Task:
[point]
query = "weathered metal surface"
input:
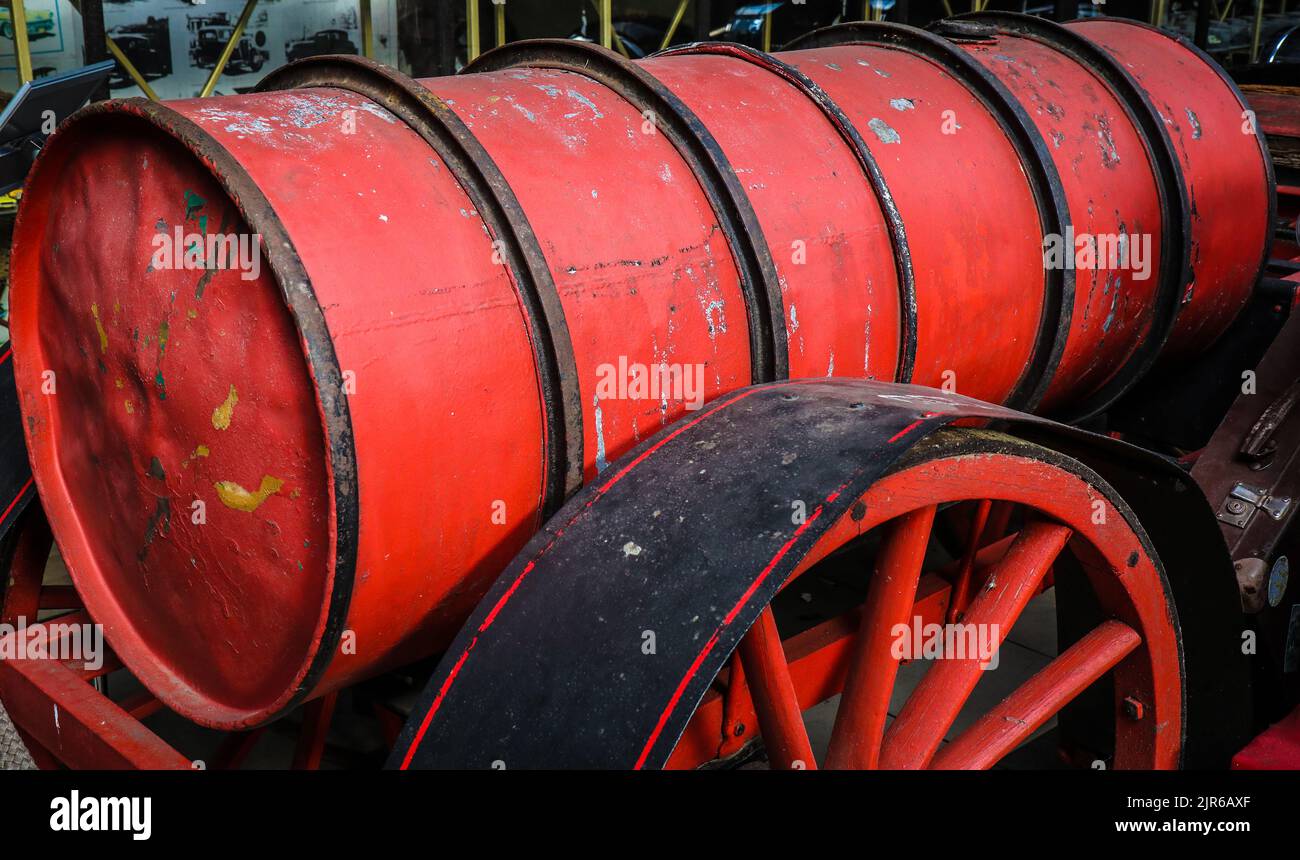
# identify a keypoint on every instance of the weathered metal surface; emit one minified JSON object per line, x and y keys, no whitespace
{"x":86,"y":729}
{"x":807,"y":202}
{"x":1224,"y":161}
{"x":916,"y":114}
{"x":966,"y":117}
{"x":268,"y":486}
{"x":1257,"y":448}
{"x":553,"y":669}
{"x":1086,"y":108}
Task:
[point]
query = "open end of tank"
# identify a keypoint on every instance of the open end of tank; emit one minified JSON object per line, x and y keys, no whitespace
{"x":172,"y":420}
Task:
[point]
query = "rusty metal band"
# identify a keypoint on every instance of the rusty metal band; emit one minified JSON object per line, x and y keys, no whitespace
{"x":482,"y":181}
{"x":1175,"y":208}
{"x":318,"y":347}
{"x":1266,"y":160}
{"x":893,"y":220}
{"x":765,"y":311}
{"x":1044,"y":180}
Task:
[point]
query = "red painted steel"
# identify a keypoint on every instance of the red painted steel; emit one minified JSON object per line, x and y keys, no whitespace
{"x":957,"y":182}
{"x":823,"y":227}
{"x":85,"y":729}
{"x":1111,"y":191}
{"x":1277,"y":748}
{"x":268,"y":486}
{"x":1225,"y":167}
{"x":665,"y":264}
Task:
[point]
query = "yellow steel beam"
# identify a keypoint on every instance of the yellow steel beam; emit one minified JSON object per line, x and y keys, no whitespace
{"x":676,"y":22}
{"x":367,"y":31}
{"x":1259,"y":23}
{"x":127,"y":66}
{"x":767,"y":32}
{"x":220,"y":67}
{"x":471,"y":31}
{"x":607,"y":23}
{"x":500,"y":10}
{"x":131,"y":71}
{"x":22,"y":49}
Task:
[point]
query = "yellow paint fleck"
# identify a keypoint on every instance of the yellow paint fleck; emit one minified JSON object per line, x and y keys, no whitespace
{"x":200,"y":451}
{"x":118,"y":382}
{"x":297,"y":491}
{"x":99,"y":327}
{"x":192,"y":314}
{"x":222,"y":414}
{"x":232,"y":495}
{"x":130,"y":410}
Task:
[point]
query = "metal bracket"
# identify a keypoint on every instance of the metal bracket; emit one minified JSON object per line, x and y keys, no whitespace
{"x":1243,"y":500}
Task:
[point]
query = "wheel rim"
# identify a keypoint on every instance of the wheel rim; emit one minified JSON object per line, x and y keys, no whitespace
{"x":1063,"y":511}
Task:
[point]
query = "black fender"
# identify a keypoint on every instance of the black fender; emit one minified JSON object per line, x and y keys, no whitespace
{"x":690,"y":535}
{"x":16,"y":486}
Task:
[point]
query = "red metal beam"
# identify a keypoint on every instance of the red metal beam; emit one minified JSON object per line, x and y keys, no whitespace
{"x":76,"y":724}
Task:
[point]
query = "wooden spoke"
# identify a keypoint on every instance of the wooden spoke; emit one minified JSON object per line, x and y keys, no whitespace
{"x":864,"y":707}
{"x":961,"y":590}
{"x":1033,"y":703}
{"x":998,"y":522}
{"x":779,"y":718}
{"x":918,"y":730}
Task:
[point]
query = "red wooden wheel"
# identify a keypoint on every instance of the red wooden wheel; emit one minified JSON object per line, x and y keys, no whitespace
{"x":1065,"y":516}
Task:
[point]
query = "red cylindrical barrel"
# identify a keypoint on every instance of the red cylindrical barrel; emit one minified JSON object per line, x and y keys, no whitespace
{"x":1211,"y":128}
{"x":302,"y":369}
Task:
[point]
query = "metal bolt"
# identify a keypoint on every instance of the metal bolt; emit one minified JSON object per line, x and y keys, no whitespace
{"x":740,"y":729}
{"x":1236,"y":507}
{"x":1133,"y":709}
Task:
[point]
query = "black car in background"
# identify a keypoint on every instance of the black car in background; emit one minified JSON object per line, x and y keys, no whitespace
{"x":320,"y":42}
{"x":147,"y":46}
{"x":209,"y":42}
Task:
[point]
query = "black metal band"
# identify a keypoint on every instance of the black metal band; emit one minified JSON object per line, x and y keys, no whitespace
{"x":768,"y":341}
{"x":846,"y":129}
{"x":1175,"y":209}
{"x":476,"y":173}
{"x":1036,"y":160}
{"x":322,"y":362}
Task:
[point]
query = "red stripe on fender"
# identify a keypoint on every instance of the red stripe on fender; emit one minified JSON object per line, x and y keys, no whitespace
{"x":713,"y":640}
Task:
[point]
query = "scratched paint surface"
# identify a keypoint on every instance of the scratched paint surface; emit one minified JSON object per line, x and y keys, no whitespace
{"x":828,"y":237}
{"x":1110,"y":189}
{"x":412,"y":289}
{"x":972,"y":225}
{"x":1222,"y":168}
{"x":642,"y":268}
{"x":140,"y":363}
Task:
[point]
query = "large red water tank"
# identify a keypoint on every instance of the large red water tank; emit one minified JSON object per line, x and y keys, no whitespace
{"x":302,"y":369}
